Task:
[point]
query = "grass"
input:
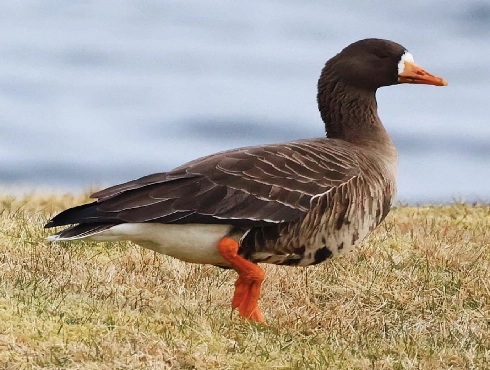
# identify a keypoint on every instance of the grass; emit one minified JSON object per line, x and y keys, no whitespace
{"x":415,"y":296}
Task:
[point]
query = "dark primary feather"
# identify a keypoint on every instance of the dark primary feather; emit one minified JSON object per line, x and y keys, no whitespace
{"x":251,"y":186}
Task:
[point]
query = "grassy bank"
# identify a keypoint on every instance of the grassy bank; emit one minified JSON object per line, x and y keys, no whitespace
{"x":415,"y":296}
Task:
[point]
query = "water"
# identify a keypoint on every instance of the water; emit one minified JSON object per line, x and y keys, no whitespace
{"x":97,"y":93}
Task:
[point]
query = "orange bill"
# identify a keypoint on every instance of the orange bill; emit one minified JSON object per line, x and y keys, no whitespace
{"x":413,"y":74}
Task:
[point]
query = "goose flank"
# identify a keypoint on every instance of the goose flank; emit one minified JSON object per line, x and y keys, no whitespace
{"x":297,"y":203}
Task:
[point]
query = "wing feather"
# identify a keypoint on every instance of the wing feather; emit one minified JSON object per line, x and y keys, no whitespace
{"x":252,"y":186}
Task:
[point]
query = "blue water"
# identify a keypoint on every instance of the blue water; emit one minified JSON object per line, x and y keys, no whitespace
{"x":97,"y":93}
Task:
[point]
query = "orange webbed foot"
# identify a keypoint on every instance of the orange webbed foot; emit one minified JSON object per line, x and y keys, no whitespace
{"x":247,"y":286}
{"x":247,"y":295}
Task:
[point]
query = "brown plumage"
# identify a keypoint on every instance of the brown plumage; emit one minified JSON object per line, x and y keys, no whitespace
{"x":295,"y":203}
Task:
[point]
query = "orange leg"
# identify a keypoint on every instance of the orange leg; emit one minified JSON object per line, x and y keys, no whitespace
{"x":247,"y":287}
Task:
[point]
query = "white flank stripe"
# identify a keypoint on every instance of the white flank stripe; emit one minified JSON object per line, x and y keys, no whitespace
{"x":196,"y":243}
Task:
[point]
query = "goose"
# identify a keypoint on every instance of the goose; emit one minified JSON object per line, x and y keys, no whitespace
{"x":297,"y":203}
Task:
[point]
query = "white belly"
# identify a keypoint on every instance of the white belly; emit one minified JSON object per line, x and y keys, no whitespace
{"x":191,"y":242}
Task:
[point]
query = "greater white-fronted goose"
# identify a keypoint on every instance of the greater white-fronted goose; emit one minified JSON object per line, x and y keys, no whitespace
{"x":296,"y":203}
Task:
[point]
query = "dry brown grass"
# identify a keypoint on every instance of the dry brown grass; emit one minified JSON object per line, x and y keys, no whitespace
{"x":415,"y":296}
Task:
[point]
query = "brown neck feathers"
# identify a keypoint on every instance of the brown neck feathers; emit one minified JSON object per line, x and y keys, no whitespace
{"x":349,"y":113}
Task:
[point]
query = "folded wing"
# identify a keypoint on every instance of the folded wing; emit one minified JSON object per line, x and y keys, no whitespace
{"x":249,"y":187}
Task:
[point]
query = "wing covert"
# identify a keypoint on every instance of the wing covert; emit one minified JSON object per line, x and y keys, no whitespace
{"x":253,"y":185}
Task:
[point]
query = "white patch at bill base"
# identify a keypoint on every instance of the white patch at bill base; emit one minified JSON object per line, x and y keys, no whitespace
{"x":406,"y":57}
